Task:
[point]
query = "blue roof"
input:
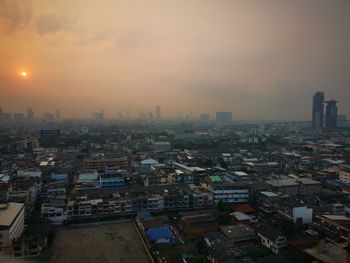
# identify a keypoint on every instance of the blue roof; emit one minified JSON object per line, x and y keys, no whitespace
{"x":158,"y":233}
{"x":59,"y":177}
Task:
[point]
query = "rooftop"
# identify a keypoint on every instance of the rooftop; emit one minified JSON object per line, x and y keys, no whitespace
{"x":8,"y":214}
{"x":291,"y":182}
{"x":237,"y":231}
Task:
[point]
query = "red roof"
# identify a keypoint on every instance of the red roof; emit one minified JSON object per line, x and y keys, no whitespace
{"x":245,"y":208}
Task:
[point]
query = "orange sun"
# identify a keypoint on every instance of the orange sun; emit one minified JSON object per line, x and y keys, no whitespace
{"x":23,"y":74}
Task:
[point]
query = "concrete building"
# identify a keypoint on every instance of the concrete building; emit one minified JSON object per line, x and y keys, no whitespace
{"x":227,"y":191}
{"x":101,"y":164}
{"x":11,"y":225}
{"x":87,"y":179}
{"x":317,"y":110}
{"x":331,"y":114}
{"x":204,"y":117}
{"x":111,"y":178}
{"x":272,"y":238}
{"x":224,"y":117}
{"x":238,"y":233}
{"x":54,"y":196}
{"x":158,"y":113}
{"x":300,"y":186}
{"x":195,"y":225}
{"x":30,"y":114}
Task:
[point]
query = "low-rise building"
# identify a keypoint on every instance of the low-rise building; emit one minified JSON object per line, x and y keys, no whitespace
{"x":271,"y":238}
{"x":227,"y":190}
{"x":299,"y":186}
{"x":194,"y":225}
{"x":238,"y":233}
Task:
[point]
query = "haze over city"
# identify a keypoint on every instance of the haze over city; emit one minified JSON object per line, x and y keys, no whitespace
{"x":262,"y":60}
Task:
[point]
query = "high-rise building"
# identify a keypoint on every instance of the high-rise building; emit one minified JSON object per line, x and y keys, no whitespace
{"x":317,"y":110}
{"x":204,"y":117}
{"x":224,"y":117}
{"x":331,"y":114}
{"x":341,"y":120}
{"x":57,"y":115}
{"x":98,"y":116}
{"x":48,"y":116}
{"x":18,"y":117}
{"x":158,"y":112}
{"x":30,"y":114}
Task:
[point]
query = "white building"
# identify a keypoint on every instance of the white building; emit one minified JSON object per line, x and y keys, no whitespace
{"x":54,"y":212}
{"x":227,"y":191}
{"x":11,"y":225}
{"x":272,"y":238}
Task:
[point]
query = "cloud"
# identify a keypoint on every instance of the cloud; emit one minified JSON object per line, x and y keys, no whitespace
{"x":15,"y":15}
{"x":50,"y":23}
{"x":137,"y":38}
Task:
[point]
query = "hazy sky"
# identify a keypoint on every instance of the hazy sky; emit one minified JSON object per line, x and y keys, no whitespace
{"x":258,"y":59}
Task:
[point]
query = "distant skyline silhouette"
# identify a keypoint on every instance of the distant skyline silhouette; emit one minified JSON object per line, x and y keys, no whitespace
{"x":261,"y":60}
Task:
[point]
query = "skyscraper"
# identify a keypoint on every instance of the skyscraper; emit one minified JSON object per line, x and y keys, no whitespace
{"x":331,"y":114}
{"x":30,"y":114}
{"x":58,"y":115}
{"x":317,"y":110}
{"x":224,"y":117}
{"x":204,"y":117}
{"x":158,"y":112}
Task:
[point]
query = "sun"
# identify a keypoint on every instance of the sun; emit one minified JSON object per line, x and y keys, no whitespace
{"x":24,"y":74}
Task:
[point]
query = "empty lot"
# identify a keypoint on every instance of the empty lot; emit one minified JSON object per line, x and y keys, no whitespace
{"x":99,"y":244}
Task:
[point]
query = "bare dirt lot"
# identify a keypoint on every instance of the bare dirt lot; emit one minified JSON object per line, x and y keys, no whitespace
{"x":115,"y":243}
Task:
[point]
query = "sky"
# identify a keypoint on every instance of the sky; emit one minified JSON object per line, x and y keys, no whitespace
{"x":262,"y":60}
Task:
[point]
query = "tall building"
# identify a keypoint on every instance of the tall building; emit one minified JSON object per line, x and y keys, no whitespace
{"x":224,"y":117}
{"x":30,"y":114}
{"x":317,"y":110}
{"x":57,"y":115}
{"x":48,"y":116}
{"x":18,"y":117}
{"x":331,"y":114}
{"x":98,"y":116}
{"x":341,"y":119}
{"x":204,"y":117}
{"x":158,"y":112}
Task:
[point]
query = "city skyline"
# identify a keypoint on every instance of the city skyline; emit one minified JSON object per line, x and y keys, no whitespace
{"x":261,"y":61}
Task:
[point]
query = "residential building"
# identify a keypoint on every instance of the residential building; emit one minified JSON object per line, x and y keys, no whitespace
{"x":226,"y":190}
{"x":11,"y":225}
{"x":271,"y":238}
{"x":194,"y":225}
{"x":299,"y":186}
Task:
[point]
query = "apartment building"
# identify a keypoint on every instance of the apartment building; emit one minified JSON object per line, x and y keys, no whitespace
{"x":11,"y":225}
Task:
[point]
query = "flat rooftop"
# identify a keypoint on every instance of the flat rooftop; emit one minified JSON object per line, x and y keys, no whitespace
{"x":291,"y":182}
{"x":8,"y":214}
